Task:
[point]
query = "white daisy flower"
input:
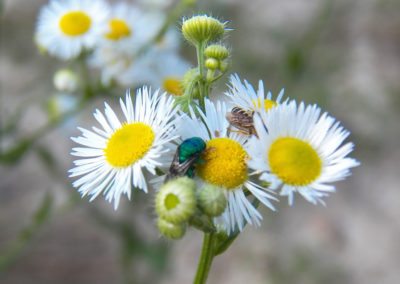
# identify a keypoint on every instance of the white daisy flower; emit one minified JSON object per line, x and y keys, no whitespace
{"x":244,"y":96}
{"x":113,"y":158}
{"x":163,"y":70}
{"x":300,"y":150}
{"x":66,"y":28}
{"x":225,"y":165}
{"x":128,"y":30}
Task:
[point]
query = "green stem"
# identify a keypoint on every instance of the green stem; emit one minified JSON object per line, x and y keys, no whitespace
{"x":206,"y":258}
{"x":202,"y":83}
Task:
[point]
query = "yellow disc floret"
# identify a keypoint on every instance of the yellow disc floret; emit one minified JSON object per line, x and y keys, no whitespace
{"x":173,"y":86}
{"x":118,"y":29}
{"x":224,"y":163}
{"x":129,"y":144}
{"x":294,"y":161}
{"x":75,"y":23}
{"x":268,"y":104}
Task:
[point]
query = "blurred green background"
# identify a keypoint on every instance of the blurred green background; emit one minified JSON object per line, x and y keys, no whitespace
{"x":343,"y":55}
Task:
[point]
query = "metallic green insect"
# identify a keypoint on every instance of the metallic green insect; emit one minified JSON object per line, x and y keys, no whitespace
{"x":186,"y":156}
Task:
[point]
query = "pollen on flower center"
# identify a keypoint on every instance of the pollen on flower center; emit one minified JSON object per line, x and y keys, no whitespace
{"x":224,"y":163}
{"x":268,"y":104}
{"x":129,"y":144}
{"x":75,"y":23}
{"x":173,"y":86}
{"x":294,"y":161}
{"x":118,"y":29}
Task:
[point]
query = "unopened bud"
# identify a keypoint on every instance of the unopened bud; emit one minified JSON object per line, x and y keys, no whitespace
{"x":211,"y":63}
{"x":212,"y":200}
{"x":223,"y":65}
{"x":66,"y":80}
{"x":216,"y":51}
{"x":176,"y":201}
{"x":202,"y":29}
{"x":171,"y":230}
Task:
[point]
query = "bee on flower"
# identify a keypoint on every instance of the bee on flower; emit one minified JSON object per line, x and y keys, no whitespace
{"x":246,"y":102}
{"x":301,"y":151}
{"x":225,"y":165}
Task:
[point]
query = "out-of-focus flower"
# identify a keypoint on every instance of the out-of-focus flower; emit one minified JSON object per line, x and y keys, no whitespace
{"x":225,"y":165}
{"x":66,"y":80}
{"x":163,"y":70}
{"x":128,"y":29}
{"x":113,"y":158}
{"x":66,"y":28}
{"x":243,"y":95}
{"x":300,"y":150}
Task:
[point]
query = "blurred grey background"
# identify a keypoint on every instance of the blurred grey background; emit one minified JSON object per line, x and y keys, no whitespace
{"x":344,"y":55}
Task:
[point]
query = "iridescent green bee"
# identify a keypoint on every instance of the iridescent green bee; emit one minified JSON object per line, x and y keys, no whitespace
{"x":186,"y":156}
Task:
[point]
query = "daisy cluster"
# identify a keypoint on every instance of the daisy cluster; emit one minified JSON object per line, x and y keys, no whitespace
{"x":125,"y":42}
{"x":295,"y":149}
{"x":212,"y":162}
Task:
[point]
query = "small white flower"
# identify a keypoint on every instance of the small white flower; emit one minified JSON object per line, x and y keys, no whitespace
{"x":225,"y":165}
{"x":113,"y":158}
{"x":128,"y":30}
{"x":300,"y":150}
{"x":244,"y":96}
{"x":66,"y":28}
{"x":163,"y":70}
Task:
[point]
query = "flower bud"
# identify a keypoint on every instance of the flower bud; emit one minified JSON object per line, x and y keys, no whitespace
{"x":212,"y":200}
{"x":66,"y":80}
{"x":176,"y":201}
{"x":223,"y":66}
{"x":171,"y":230}
{"x":216,"y":51}
{"x":211,"y":63}
{"x":202,"y":29}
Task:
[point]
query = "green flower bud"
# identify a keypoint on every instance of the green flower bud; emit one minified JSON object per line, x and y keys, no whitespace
{"x":211,"y":63}
{"x":176,"y":200}
{"x":202,"y":29}
{"x":66,"y":80}
{"x":216,"y":51}
{"x":212,"y":200}
{"x":223,"y":65}
{"x":188,"y":79}
{"x":171,"y":230}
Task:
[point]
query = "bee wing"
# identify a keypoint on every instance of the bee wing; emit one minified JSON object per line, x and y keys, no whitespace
{"x":179,"y":169}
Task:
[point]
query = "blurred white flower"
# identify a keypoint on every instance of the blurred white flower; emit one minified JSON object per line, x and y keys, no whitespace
{"x":243,"y":95}
{"x":66,"y":80}
{"x":163,"y":70}
{"x":128,"y":30}
{"x":66,"y":28}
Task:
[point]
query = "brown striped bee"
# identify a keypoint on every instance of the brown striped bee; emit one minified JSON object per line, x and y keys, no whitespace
{"x":242,"y":120}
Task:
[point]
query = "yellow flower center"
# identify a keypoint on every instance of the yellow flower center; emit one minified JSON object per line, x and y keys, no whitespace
{"x":224,"y":163}
{"x":75,"y":23}
{"x":294,"y":161}
{"x":129,"y":144}
{"x":118,"y":29}
{"x":171,"y":201}
{"x":268,"y":104}
{"x":173,"y":86}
